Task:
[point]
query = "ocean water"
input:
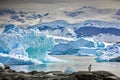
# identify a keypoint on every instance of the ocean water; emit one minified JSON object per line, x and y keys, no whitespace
{"x":75,"y":62}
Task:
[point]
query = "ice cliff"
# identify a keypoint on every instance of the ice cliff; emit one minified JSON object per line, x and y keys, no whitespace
{"x":25,"y":46}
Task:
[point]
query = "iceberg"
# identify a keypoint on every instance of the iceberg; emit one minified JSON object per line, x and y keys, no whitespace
{"x":25,"y":46}
{"x":109,"y":54}
{"x":79,"y":47}
{"x":87,"y":52}
{"x":87,"y":28}
{"x":2,"y":66}
{"x":69,"y":70}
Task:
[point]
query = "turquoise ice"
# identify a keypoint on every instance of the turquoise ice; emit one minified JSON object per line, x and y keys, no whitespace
{"x":25,"y":46}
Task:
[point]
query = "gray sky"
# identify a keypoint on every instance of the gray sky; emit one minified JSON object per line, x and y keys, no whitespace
{"x":49,"y":5}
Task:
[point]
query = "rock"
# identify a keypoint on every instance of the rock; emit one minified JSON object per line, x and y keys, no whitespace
{"x":4,"y":79}
{"x":95,"y":75}
{"x":7,"y":67}
{"x":56,"y":72}
{"x":9,"y":74}
{"x":1,"y":70}
{"x":82,"y":75}
{"x":19,"y":78}
{"x":110,"y":78}
{"x":33,"y":72}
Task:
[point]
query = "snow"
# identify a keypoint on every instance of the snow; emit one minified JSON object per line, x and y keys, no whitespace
{"x":60,"y":38}
{"x":1,"y":30}
{"x":109,"y":38}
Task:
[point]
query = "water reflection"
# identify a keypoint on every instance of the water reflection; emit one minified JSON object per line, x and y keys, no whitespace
{"x":78,"y":64}
{"x":28,"y":68}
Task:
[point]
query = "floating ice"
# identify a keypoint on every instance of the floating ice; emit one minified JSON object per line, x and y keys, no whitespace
{"x":18,"y":46}
{"x":69,"y":70}
{"x":78,"y":47}
{"x":2,"y":66}
{"x":111,"y":53}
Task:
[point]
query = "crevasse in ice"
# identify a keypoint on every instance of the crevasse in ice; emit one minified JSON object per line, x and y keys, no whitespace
{"x":24,"y":46}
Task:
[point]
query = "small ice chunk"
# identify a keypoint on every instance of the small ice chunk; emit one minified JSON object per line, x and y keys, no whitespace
{"x":2,"y":66}
{"x":69,"y":70}
{"x":50,"y":74}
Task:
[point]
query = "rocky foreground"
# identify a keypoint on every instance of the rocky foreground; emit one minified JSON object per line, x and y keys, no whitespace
{"x":8,"y":74}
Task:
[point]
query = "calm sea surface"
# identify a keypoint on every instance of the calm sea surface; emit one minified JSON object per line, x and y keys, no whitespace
{"x":77,"y":63}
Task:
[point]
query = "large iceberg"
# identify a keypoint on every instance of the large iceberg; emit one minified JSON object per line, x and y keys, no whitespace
{"x":103,"y":51}
{"x":79,"y":47}
{"x":25,"y":46}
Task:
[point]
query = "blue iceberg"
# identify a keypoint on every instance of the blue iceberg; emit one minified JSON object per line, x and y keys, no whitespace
{"x":69,"y":70}
{"x":109,"y":54}
{"x":80,"y":47}
{"x":25,"y":46}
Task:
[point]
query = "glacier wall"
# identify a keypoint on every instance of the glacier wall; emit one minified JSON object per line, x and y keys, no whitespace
{"x":24,"y":46}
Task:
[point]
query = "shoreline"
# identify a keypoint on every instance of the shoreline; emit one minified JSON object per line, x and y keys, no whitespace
{"x":9,"y":74}
{"x":78,"y":64}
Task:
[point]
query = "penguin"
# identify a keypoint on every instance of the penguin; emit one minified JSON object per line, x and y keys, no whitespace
{"x":89,"y":68}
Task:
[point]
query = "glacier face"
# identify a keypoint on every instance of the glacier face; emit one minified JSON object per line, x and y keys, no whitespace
{"x":26,"y":46}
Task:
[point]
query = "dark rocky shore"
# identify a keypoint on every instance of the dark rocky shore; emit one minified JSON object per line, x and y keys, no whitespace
{"x":8,"y":74}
